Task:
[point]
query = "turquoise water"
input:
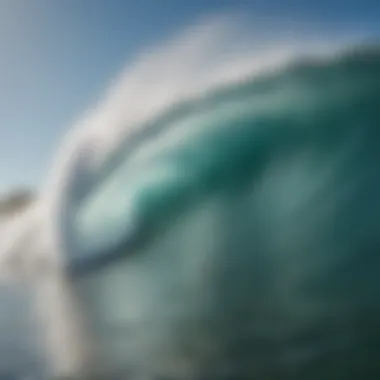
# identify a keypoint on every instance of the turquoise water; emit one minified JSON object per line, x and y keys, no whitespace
{"x":243,"y":230}
{"x":232,"y":134}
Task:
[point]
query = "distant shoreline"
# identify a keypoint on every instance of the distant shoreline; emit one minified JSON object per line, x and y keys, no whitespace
{"x":14,"y":201}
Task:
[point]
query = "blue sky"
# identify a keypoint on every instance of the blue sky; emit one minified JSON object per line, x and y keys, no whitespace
{"x":56,"y":57}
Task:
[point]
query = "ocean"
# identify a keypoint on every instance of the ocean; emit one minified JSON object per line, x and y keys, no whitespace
{"x":298,"y":132}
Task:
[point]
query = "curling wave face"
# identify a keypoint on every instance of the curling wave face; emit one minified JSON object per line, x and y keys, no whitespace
{"x":236,"y":235}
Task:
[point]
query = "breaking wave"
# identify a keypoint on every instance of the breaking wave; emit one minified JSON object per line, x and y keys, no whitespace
{"x":192,"y":115}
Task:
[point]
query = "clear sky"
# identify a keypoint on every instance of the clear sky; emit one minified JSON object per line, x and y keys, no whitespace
{"x":56,"y":56}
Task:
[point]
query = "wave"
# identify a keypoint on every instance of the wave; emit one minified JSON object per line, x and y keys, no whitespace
{"x":198,"y":145}
{"x":216,"y":52}
{"x":219,"y":51}
{"x":202,"y":112}
{"x":292,"y":152}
